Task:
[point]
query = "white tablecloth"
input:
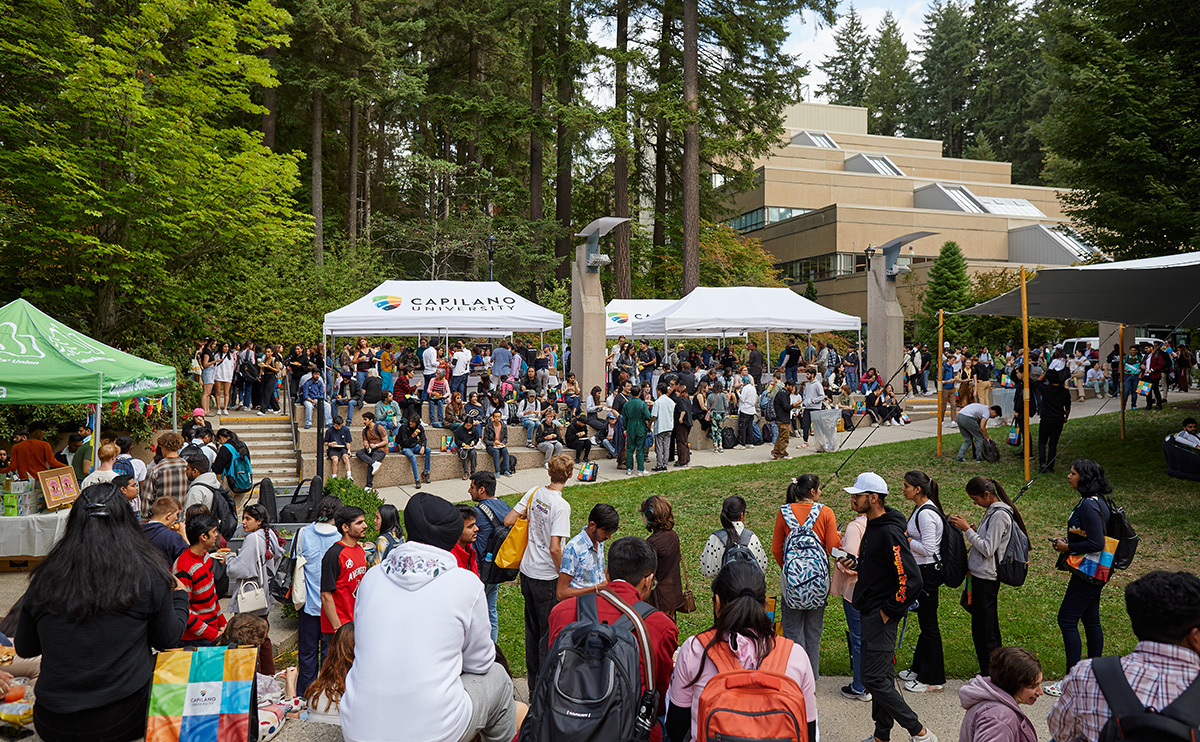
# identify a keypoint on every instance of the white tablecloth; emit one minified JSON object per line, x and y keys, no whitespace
{"x":31,"y":535}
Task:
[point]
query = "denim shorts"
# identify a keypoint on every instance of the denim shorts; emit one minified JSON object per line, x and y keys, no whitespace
{"x":208,"y":375}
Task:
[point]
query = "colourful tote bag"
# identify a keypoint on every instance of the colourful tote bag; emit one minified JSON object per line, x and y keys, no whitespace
{"x":587,"y":472}
{"x":1143,"y":388}
{"x":1014,"y":436}
{"x":202,"y":695}
{"x":1094,"y":567}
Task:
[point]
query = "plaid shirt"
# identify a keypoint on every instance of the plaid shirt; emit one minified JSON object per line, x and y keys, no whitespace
{"x":168,"y":478}
{"x":1158,"y":674}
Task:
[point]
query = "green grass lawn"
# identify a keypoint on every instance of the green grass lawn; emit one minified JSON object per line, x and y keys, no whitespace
{"x":1163,"y":510}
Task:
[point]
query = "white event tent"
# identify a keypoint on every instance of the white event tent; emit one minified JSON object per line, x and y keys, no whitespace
{"x":620,"y":313}
{"x":739,"y":309}
{"x":440,"y":308}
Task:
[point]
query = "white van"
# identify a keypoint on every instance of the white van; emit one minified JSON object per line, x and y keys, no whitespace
{"x":1069,"y":345}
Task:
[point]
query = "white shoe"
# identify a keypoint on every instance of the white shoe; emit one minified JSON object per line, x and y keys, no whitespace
{"x":927,"y":737}
{"x":375,"y":466}
{"x":1053,"y":689}
{"x":915,"y":686}
{"x":261,"y":413}
{"x":953,"y":424}
{"x":906,"y":675}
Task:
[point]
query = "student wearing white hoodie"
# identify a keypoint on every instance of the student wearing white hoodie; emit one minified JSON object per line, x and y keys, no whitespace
{"x":442,"y":684}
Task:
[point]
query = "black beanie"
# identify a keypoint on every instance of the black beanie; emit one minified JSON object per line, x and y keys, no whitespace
{"x":431,"y":520}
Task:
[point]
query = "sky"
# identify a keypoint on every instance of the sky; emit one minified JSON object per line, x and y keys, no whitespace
{"x":811,"y":40}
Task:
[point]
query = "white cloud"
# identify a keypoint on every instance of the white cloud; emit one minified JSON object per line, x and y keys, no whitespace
{"x":811,"y":39}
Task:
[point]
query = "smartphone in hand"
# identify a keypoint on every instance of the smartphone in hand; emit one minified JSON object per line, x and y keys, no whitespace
{"x":837,"y":553}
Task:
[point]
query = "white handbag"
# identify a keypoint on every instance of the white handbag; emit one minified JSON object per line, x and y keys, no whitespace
{"x":252,"y":594}
{"x":298,"y":583}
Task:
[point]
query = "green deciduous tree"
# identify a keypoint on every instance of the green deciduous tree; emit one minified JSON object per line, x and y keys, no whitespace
{"x":124,"y":175}
{"x":847,"y":70}
{"x":890,"y":89}
{"x":949,"y":289}
{"x":1123,"y":127}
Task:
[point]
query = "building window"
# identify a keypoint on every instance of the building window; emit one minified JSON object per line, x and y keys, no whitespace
{"x":964,"y":199}
{"x":1010,"y":206}
{"x":814,"y":139}
{"x":883,"y":165}
{"x":818,"y":268}
{"x":761,"y":217}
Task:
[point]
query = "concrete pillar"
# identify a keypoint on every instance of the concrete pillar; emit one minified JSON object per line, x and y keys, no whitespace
{"x":587,"y":324}
{"x":885,"y":323}
{"x":1109,"y":336}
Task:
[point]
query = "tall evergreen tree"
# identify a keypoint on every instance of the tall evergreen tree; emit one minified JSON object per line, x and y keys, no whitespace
{"x":949,"y":289}
{"x":890,"y":88}
{"x":847,"y":69}
{"x":943,"y":84}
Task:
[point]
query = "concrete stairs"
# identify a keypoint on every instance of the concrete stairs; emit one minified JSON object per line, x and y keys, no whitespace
{"x":269,"y":438}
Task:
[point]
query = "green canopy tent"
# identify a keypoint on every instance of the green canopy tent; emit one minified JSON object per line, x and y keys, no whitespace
{"x":42,"y":361}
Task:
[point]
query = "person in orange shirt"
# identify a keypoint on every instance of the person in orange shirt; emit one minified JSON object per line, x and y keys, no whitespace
{"x":33,"y":454}
{"x":805,"y":531}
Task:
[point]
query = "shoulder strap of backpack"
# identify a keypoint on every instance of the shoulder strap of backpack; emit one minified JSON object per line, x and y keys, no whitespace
{"x":585,"y":608}
{"x":789,"y":517}
{"x":720,"y":654}
{"x":1186,"y":708}
{"x":639,"y":630}
{"x":1122,"y":701}
{"x":937,"y":553}
{"x":487,"y":513}
{"x":813,"y":512}
{"x":744,"y":537}
{"x":777,"y":660}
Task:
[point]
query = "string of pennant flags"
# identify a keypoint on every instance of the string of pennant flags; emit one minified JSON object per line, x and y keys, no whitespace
{"x":142,"y":405}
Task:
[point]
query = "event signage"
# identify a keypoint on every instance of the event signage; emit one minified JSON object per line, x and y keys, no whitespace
{"x":447,"y":304}
{"x":58,"y":487}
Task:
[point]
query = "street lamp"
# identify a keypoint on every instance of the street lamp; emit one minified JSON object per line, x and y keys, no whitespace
{"x":491,"y":243}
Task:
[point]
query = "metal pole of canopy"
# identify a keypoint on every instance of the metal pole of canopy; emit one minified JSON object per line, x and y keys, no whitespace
{"x":1121,"y":362}
{"x":939,"y":356}
{"x":1028,"y":386}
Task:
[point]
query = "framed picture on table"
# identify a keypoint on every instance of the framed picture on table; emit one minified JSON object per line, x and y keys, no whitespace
{"x":59,"y":487}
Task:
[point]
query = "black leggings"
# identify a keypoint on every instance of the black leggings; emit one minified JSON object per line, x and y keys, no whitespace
{"x":1081,"y":601}
{"x":928,"y":660}
{"x":116,"y":721}
{"x":985,"y":624}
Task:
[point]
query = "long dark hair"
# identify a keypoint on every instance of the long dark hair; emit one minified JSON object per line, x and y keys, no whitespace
{"x":732,"y":511}
{"x":802,"y":487}
{"x":742,"y":589}
{"x":389,"y":521}
{"x":103,"y":564}
{"x":980,"y":486}
{"x":928,"y":486}
{"x":1092,"y":481}
{"x":234,"y":441}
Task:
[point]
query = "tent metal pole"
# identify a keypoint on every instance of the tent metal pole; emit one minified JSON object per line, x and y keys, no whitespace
{"x":941,"y":325}
{"x":175,"y":411}
{"x":1121,"y":363}
{"x":768,"y":350}
{"x":96,"y":432}
{"x":1028,"y":386}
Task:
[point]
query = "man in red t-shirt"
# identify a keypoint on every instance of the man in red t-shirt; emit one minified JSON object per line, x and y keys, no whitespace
{"x":342,"y":568}
{"x":464,"y":550}
{"x":193,"y":567}
{"x":631,"y":566}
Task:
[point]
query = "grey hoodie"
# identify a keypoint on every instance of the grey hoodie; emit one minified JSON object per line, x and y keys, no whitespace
{"x":992,"y":714}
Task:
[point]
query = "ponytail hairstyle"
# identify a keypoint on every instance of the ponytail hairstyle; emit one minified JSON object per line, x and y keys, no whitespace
{"x":742,"y":589}
{"x":802,"y":488}
{"x":928,"y":487}
{"x":732,"y":510}
{"x":1092,"y":481}
{"x":980,"y":486}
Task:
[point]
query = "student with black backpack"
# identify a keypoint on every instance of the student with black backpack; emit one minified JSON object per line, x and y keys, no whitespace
{"x":492,"y":532}
{"x":926,"y":529}
{"x":1152,"y":693}
{"x":989,"y":544}
{"x":732,"y":542}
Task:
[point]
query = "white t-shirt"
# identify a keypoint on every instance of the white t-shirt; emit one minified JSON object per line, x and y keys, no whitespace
{"x":429,"y":359}
{"x":977,"y":410}
{"x":462,"y":362}
{"x":549,"y":515}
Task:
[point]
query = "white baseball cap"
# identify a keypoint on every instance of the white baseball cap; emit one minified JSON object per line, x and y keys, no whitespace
{"x":868,"y":481}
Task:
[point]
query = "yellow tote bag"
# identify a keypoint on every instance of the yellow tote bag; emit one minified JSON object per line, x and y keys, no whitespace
{"x":513,"y":548}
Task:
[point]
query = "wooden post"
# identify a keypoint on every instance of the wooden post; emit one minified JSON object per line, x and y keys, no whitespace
{"x":1028,"y":382}
{"x":939,"y":355}
{"x":1121,"y":363}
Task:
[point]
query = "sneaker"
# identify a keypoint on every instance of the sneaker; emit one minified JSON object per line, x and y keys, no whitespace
{"x":848,"y":692}
{"x":916,"y":686}
{"x":375,"y":466}
{"x":803,"y":445}
{"x":738,"y":447}
{"x":1053,"y":689}
{"x":906,"y":675}
{"x":425,"y":476}
{"x":642,"y":473}
{"x":953,"y":424}
{"x":629,"y":471}
{"x":928,"y":736}
{"x":261,"y":413}
{"x":418,"y":485}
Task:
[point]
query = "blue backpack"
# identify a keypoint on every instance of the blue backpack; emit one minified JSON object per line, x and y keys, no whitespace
{"x":239,"y":470}
{"x":805,"y":563}
{"x":124,"y":467}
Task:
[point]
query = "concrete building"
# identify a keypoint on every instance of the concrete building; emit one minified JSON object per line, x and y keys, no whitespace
{"x":830,"y":190}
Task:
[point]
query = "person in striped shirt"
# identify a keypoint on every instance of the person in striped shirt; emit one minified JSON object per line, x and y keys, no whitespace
{"x":194,"y":569}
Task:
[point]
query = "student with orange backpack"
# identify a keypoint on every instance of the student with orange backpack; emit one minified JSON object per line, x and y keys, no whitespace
{"x":730,"y":680}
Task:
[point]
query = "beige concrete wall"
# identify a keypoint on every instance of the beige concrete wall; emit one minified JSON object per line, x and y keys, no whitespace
{"x":825,"y":117}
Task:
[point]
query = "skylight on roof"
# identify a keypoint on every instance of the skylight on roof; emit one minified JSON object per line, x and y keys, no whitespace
{"x":883,"y":165}
{"x":1010,"y":206}
{"x":814,"y":139}
{"x":1072,"y":242}
{"x":964,"y":199}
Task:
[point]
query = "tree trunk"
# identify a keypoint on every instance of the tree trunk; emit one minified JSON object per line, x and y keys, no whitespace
{"x":352,"y":222}
{"x":535,"y":137}
{"x":691,"y":149}
{"x":366,"y":215}
{"x":318,"y":203}
{"x":380,"y":152}
{"x":622,"y":261}
{"x":473,"y":88}
{"x":562,"y":186}
{"x":270,"y":102}
{"x":659,"y":239}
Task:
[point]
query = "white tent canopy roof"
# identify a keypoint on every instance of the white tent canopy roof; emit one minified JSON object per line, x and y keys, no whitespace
{"x":619,"y":314}
{"x":1151,"y":291}
{"x":470,"y":308}
{"x":739,"y":309}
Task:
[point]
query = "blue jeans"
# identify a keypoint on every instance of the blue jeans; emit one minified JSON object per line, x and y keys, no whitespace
{"x":853,"y":623}
{"x":459,"y":384}
{"x":608,"y":446}
{"x":790,"y":373}
{"x":308,"y":411}
{"x":925,"y":380}
{"x":501,"y":459}
{"x":528,"y":424}
{"x":1131,"y":383}
{"x":490,"y":592}
{"x":572,"y":401}
{"x":411,"y":453}
{"x":436,"y":407}
{"x":245,"y":389}
{"x":646,"y":374}
{"x":361,"y":377}
{"x":349,"y":404}
{"x":852,"y":377}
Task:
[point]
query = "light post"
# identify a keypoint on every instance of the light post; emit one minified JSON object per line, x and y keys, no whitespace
{"x":491,"y":244}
